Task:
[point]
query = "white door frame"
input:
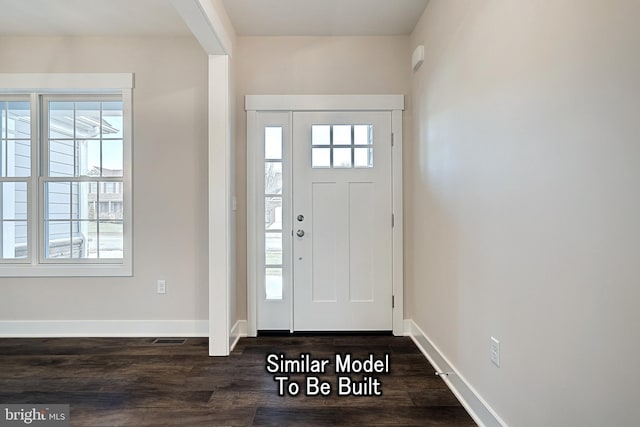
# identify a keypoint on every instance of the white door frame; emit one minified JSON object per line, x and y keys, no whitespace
{"x":291,"y":103}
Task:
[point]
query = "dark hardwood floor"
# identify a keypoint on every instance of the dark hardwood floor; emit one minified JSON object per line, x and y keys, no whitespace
{"x":132,"y":382}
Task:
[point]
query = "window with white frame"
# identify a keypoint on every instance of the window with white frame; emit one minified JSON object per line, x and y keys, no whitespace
{"x":65,"y":199}
{"x":84,"y":145}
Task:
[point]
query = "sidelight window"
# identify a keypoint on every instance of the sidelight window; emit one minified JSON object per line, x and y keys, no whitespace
{"x":273,"y":212}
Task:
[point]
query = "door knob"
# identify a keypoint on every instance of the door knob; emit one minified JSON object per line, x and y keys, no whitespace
{"x":300,"y":233}
{"x":300,"y":218}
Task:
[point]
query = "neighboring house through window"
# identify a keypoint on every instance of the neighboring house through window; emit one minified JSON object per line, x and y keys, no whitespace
{"x":65,"y":177}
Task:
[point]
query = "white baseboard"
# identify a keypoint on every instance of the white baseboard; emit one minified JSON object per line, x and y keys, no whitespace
{"x":103,"y":328}
{"x":477,"y":407}
{"x":238,"y":331}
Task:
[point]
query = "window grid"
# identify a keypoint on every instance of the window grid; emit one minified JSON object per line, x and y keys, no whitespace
{"x":100,"y":218}
{"x":353,"y":160}
{"x":15,"y":168}
{"x":91,"y":245}
{"x":24,"y":209}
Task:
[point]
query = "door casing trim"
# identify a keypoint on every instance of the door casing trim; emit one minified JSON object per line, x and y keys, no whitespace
{"x":294,"y":103}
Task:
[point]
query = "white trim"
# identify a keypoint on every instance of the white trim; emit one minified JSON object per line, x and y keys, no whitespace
{"x":398,"y":226}
{"x":220,"y":156}
{"x":287,"y":170}
{"x":470,"y":399}
{"x":324,"y":102}
{"x":205,"y":24}
{"x":238,"y":331}
{"x":127,"y":185}
{"x":206,"y":19}
{"x":66,"y":81}
{"x":253,"y":218}
{"x":102,"y":328}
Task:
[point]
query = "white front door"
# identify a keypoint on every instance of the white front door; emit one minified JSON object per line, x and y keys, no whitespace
{"x":342,"y":221}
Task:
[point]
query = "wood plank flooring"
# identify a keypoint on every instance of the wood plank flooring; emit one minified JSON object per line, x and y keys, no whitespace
{"x":132,"y":382}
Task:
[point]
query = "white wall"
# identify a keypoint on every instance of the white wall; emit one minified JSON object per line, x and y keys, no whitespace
{"x":523,"y":205}
{"x":308,"y":65}
{"x":169,"y":180}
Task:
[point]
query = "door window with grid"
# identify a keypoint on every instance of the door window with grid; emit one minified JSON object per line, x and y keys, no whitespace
{"x":342,"y":146}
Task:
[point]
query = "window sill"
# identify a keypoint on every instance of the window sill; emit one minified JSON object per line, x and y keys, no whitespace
{"x":66,"y":270}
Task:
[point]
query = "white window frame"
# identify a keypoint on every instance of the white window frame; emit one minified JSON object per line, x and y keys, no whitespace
{"x":36,"y":86}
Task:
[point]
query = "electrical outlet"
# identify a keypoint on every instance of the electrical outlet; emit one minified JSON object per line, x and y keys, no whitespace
{"x":495,"y":352}
{"x":161,"y":286}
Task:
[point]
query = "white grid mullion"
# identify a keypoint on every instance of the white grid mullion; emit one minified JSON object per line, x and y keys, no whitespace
{"x":97,"y":213}
{"x":33,"y":226}
{"x":71,"y":211}
{"x":75,"y":157}
{"x":84,"y":179}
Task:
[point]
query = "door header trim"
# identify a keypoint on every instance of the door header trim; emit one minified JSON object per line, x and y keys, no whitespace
{"x":324,"y":102}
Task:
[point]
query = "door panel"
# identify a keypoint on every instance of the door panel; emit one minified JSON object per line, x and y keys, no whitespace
{"x":361,"y":279}
{"x":342,"y":206}
{"x":325,"y":243}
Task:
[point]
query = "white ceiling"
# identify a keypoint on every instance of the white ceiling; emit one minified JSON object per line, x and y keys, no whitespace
{"x":324,"y":17}
{"x":249,"y":17}
{"x":90,"y":18}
